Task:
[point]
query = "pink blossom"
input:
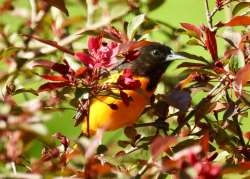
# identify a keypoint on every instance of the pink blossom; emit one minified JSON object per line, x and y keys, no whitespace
{"x":207,"y":170}
{"x":99,"y":54}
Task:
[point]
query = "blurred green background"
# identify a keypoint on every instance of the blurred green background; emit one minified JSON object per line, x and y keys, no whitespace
{"x":172,"y":12}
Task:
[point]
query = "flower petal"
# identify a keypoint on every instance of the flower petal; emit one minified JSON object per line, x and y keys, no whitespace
{"x":85,"y":59}
{"x":94,"y":43}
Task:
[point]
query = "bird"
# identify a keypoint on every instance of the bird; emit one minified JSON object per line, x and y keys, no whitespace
{"x":148,"y":68}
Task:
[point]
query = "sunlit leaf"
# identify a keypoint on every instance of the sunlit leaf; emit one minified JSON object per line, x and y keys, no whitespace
{"x":134,"y":25}
{"x":237,"y":62}
{"x":240,"y":6}
{"x":211,"y":43}
{"x":193,"y":28}
{"x":241,"y":78}
{"x":238,"y":21}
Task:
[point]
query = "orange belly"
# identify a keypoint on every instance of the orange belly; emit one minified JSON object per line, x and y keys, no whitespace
{"x":102,"y":116}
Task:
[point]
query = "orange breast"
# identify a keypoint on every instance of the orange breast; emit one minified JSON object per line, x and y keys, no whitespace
{"x":102,"y":116}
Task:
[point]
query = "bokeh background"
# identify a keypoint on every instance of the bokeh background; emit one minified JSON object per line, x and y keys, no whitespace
{"x":172,"y":12}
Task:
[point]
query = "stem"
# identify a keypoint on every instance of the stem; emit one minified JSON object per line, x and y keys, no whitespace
{"x":239,"y":131}
{"x":208,"y":14}
{"x":33,"y":13}
{"x":77,"y":35}
{"x":13,"y":166}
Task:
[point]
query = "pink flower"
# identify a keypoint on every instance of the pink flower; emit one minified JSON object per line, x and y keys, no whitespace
{"x":207,"y":170}
{"x":126,"y":81}
{"x":99,"y":54}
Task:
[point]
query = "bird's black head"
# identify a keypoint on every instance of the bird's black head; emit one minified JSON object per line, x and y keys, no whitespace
{"x":152,"y":62}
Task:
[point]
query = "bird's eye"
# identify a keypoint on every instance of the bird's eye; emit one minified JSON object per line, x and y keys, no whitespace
{"x":156,"y":53}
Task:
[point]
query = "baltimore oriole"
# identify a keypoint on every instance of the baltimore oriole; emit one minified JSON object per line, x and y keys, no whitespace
{"x":148,"y":68}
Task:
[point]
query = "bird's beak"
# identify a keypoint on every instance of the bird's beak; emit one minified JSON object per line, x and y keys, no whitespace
{"x":174,"y":56}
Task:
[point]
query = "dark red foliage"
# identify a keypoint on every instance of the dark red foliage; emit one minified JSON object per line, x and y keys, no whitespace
{"x":127,"y":82}
{"x":211,"y":43}
{"x":48,"y":154}
{"x":52,"y":86}
{"x":219,"y":3}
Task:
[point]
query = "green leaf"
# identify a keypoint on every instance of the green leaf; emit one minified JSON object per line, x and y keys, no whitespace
{"x":240,"y":6}
{"x":23,"y":90}
{"x":194,"y":42}
{"x":236,"y":62}
{"x":8,"y":52}
{"x":134,"y":25}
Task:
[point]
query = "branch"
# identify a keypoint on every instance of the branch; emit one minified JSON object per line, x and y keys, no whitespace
{"x":77,"y":35}
{"x":21,"y":175}
{"x":216,"y":9}
{"x":208,"y":14}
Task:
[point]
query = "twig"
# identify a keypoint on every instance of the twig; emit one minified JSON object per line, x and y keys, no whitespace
{"x":77,"y":35}
{"x":21,"y":175}
{"x":216,"y":9}
{"x":33,"y":13}
{"x":13,"y":166}
{"x":239,"y":131}
{"x":208,"y":14}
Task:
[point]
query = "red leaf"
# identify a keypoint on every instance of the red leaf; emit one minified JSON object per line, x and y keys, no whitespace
{"x":112,"y":33}
{"x":241,"y":78}
{"x":192,"y":28}
{"x":238,"y":21}
{"x":84,"y":58}
{"x":161,"y":144}
{"x":211,"y":43}
{"x":52,"y":86}
{"x":80,"y":71}
{"x":51,"y":43}
{"x":54,"y":78}
{"x":204,"y":141}
{"x":41,"y":63}
{"x":58,"y":4}
{"x":245,"y":165}
{"x":61,"y":68}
